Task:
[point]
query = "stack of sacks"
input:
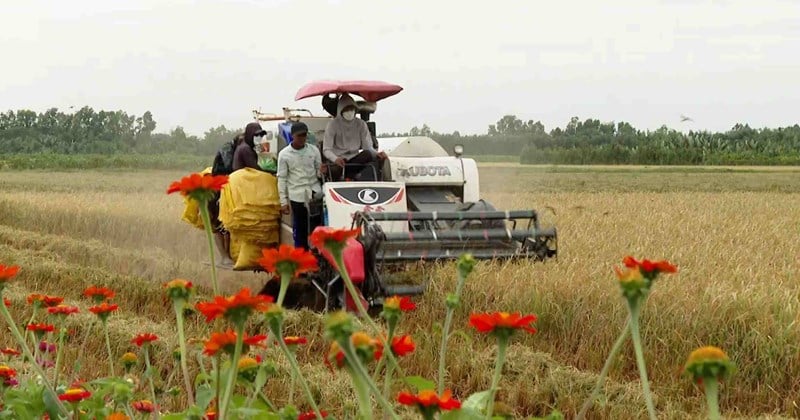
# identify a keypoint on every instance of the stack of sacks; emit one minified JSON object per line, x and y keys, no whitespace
{"x":250,"y":210}
{"x":191,"y":210}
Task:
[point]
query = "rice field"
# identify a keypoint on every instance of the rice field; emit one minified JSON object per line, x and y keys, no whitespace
{"x":733,"y":232}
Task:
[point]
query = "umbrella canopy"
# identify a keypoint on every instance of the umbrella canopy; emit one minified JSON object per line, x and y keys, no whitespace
{"x":372,"y":91}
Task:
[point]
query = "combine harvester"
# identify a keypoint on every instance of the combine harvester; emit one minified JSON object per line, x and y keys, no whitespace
{"x":425,"y":207}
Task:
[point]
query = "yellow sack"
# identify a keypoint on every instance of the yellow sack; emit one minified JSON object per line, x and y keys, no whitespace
{"x":235,"y":247}
{"x":250,"y":206}
{"x":248,"y":257}
{"x":191,"y":210}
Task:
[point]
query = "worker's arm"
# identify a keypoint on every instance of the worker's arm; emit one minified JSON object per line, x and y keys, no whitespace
{"x":327,"y":143}
{"x":283,"y":185}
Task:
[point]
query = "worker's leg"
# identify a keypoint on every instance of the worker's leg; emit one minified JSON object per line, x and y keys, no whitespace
{"x":300,"y":222}
{"x":367,"y":168}
{"x":220,"y":240}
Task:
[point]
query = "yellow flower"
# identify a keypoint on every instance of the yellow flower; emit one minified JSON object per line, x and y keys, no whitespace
{"x":246,"y":363}
{"x":709,"y":362}
{"x":632,"y":282}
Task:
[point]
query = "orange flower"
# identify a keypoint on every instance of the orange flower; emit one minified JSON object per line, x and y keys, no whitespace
{"x":75,"y":395}
{"x":99,"y":294}
{"x":44,"y":300}
{"x":8,"y":351}
{"x":178,"y":289}
{"x":288,"y":259}
{"x":7,"y":373}
{"x":117,"y":416}
{"x":650,"y":268}
{"x":293,"y":341}
{"x":325,"y":237}
{"x":502,"y":323}
{"x":199,"y":187}
{"x":103,"y":310}
{"x":335,"y":356}
{"x":404,"y":303}
{"x":143,"y":406}
{"x":428,"y":402}
{"x":403,"y":345}
{"x":210,"y":415}
{"x":7,"y":272}
{"x":144,"y":338}
{"x":63,"y":310}
{"x":708,"y":363}
{"x":6,"y":302}
{"x":235,"y":308}
{"x":366,"y":347}
{"x":40,"y":328}
{"x":226,"y":341}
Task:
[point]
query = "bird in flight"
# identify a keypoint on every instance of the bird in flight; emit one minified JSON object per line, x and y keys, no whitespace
{"x":684,"y":118}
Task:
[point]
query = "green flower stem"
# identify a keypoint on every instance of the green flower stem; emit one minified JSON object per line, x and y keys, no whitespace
{"x":79,"y":362}
{"x":448,"y":321}
{"x":337,"y":256}
{"x":286,"y":278}
{"x":391,"y":327}
{"x":128,"y":411}
{"x":108,"y":348}
{"x":266,"y":400}
{"x":150,"y":373}
{"x":293,"y":381}
{"x":623,"y":335}
{"x":712,"y":397}
{"x":36,"y":308}
{"x":362,"y":392}
{"x":187,"y":382}
{"x":502,"y":344}
{"x":296,"y":372}
{"x":59,"y":351}
{"x":216,"y":364}
{"x":27,"y":352}
{"x":237,"y":353}
{"x":210,"y":236}
{"x":634,"y":306}
{"x":360,"y":370}
{"x":387,"y":385}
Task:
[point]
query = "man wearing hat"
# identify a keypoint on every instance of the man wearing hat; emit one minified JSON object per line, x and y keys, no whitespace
{"x":299,"y":173}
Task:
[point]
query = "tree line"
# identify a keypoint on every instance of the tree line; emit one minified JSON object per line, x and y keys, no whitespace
{"x":589,"y":141}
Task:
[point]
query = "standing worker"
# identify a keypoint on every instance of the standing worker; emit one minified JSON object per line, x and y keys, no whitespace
{"x":299,"y":173}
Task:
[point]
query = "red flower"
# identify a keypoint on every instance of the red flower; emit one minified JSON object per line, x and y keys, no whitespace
{"x":178,"y":289}
{"x":62,"y":310}
{"x":7,"y":273}
{"x":289,"y":259}
{"x":44,"y":300}
{"x":143,"y":406}
{"x":335,"y":356}
{"x":403,"y":345}
{"x":428,"y":402}
{"x":99,"y":294}
{"x":40,"y":328}
{"x":75,"y":395}
{"x":502,"y":322}
{"x":6,"y":302}
{"x":310,"y":415}
{"x":648,"y":267}
{"x":144,"y":338}
{"x":7,"y":373}
{"x":8,"y":351}
{"x":293,"y":341}
{"x":403,"y":303}
{"x":328,"y":237}
{"x":226,"y":341}
{"x":196,"y":184}
{"x":237,"y":307}
{"x":210,"y":415}
{"x":103,"y":310}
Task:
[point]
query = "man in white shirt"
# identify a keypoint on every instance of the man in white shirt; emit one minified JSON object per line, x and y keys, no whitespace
{"x":299,"y":173}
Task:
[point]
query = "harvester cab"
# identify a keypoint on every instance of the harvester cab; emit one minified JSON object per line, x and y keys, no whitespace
{"x":424,"y":206}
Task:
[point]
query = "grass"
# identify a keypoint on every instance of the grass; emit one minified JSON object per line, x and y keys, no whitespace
{"x":733,"y":235}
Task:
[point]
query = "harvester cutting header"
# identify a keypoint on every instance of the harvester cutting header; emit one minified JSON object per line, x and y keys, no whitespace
{"x":413,"y":202}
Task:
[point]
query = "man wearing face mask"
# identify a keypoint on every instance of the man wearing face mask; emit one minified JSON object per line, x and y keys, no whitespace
{"x":245,"y":155}
{"x":345,"y":135}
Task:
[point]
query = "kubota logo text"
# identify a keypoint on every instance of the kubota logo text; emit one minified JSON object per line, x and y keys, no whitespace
{"x":424,"y":170}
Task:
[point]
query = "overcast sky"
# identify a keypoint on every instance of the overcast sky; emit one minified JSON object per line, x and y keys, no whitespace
{"x":463,"y":63}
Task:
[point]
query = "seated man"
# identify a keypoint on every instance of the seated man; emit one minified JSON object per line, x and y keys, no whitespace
{"x":344,"y":136}
{"x":299,"y":170}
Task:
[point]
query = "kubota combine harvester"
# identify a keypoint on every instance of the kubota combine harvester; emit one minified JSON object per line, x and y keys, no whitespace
{"x":426,"y":205}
